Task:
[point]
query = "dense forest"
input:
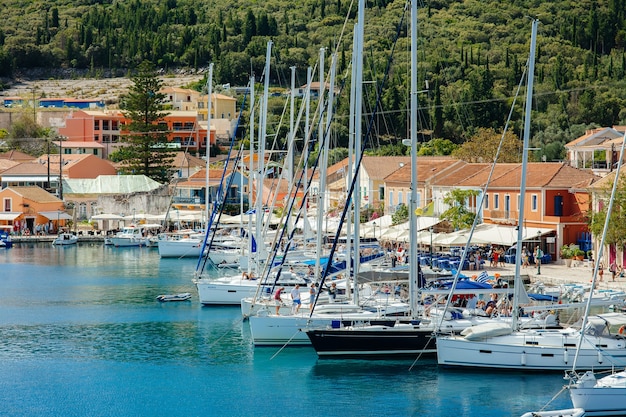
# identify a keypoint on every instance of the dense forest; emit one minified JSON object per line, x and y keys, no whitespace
{"x":471,"y":60}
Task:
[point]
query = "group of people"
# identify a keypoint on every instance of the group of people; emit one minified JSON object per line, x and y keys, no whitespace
{"x":296,"y":299}
{"x":616,"y":270}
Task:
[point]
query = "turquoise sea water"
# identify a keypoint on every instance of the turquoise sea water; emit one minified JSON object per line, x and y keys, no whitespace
{"x":81,"y":334}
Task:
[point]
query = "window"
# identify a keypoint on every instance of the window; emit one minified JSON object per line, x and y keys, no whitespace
{"x":418,"y":203}
{"x":381,"y":193}
{"x":507,"y":203}
{"x":105,"y":125}
{"x":177,"y":126}
{"x":106,"y":139}
{"x":400,"y":198}
{"x":115,"y":125}
{"x":390,"y":198}
{"x":534,"y":202}
{"x":96,"y":138}
{"x":7,"y":204}
{"x":96,"y":125}
{"x":487,"y":201}
{"x":496,"y":201}
{"x":82,"y":211}
{"x":188,"y":125}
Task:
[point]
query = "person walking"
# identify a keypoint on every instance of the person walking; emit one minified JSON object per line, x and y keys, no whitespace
{"x":312,"y":293}
{"x":613,"y":269}
{"x":295,"y":297}
{"x":277,"y":300}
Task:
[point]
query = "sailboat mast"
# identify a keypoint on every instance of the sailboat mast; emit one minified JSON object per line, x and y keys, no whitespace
{"x":358,"y":132}
{"x":323,"y":153}
{"x":526,"y":142}
{"x":413,"y":263}
{"x":305,"y":187}
{"x":207,"y":197}
{"x":263,"y":132}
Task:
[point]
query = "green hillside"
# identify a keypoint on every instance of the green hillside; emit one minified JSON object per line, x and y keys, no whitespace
{"x":471,"y":52}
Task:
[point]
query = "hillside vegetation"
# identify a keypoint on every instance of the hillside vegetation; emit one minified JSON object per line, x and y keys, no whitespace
{"x":472,"y":53}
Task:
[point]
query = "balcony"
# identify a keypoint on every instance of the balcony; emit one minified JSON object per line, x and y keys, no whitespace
{"x":188,"y":200}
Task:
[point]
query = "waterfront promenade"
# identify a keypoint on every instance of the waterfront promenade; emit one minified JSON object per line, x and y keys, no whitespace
{"x":559,"y":273}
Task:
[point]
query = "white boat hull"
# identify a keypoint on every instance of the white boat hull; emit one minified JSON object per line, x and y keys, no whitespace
{"x":128,"y":241}
{"x":550,"y":349}
{"x":569,"y":412}
{"x":65,"y":239}
{"x":225,"y":256}
{"x":232,"y":289}
{"x":272,"y":330}
{"x":189,"y":248}
{"x":604,"y":397}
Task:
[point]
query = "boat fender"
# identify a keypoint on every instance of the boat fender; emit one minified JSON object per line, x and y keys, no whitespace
{"x":523,"y":361}
{"x":566,"y":356}
{"x":622,"y":330}
{"x":600,"y":357}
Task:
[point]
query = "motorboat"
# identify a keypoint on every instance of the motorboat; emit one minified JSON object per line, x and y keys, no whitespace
{"x":184,"y":296}
{"x":180,"y":244}
{"x":130,"y":236}
{"x":65,"y":239}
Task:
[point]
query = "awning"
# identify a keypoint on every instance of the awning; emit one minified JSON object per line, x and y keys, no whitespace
{"x":55,"y":215}
{"x":9,"y":215}
{"x":506,"y":235}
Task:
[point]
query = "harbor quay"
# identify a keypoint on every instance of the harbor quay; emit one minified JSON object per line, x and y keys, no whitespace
{"x":559,"y":273}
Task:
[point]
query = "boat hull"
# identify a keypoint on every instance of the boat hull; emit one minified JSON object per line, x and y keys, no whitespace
{"x":375,"y":341}
{"x":271,"y":330}
{"x":537,"y":350}
{"x":179,"y":248}
{"x":128,"y":241}
{"x":603,"y":397}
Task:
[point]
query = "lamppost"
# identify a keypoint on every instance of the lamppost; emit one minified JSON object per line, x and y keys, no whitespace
{"x":539,"y":253}
{"x":431,"y":246}
{"x":374,"y":225}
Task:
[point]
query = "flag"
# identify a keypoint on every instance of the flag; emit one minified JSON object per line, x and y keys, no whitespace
{"x":483,"y":277}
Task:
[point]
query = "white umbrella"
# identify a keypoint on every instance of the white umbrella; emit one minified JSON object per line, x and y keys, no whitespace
{"x":107,"y":216}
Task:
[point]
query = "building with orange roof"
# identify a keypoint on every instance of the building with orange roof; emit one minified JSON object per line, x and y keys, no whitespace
{"x":600,"y":196}
{"x":583,"y":151}
{"x":106,"y":127}
{"x":32,"y":209}
{"x":191,"y":194}
{"x":556,"y":198}
{"x":397,"y":185}
{"x":181,"y":98}
{"x":16,"y":156}
{"x":46,"y":176}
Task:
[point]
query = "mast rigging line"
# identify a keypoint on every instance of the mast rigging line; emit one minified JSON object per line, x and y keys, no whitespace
{"x":358,"y":163}
{"x":219,"y":206}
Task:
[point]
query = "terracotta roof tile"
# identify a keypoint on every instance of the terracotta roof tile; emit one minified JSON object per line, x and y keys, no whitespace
{"x":37,"y":194}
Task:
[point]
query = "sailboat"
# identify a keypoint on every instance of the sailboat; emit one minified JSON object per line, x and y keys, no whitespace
{"x":533,"y":349}
{"x":606,"y":395}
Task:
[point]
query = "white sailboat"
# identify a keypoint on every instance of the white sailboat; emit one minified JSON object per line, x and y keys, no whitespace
{"x":601,"y":395}
{"x":272,"y":329}
{"x":533,"y":349}
{"x":229,"y":290}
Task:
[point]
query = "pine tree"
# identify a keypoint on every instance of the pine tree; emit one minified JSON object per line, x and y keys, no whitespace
{"x":148,"y":153}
